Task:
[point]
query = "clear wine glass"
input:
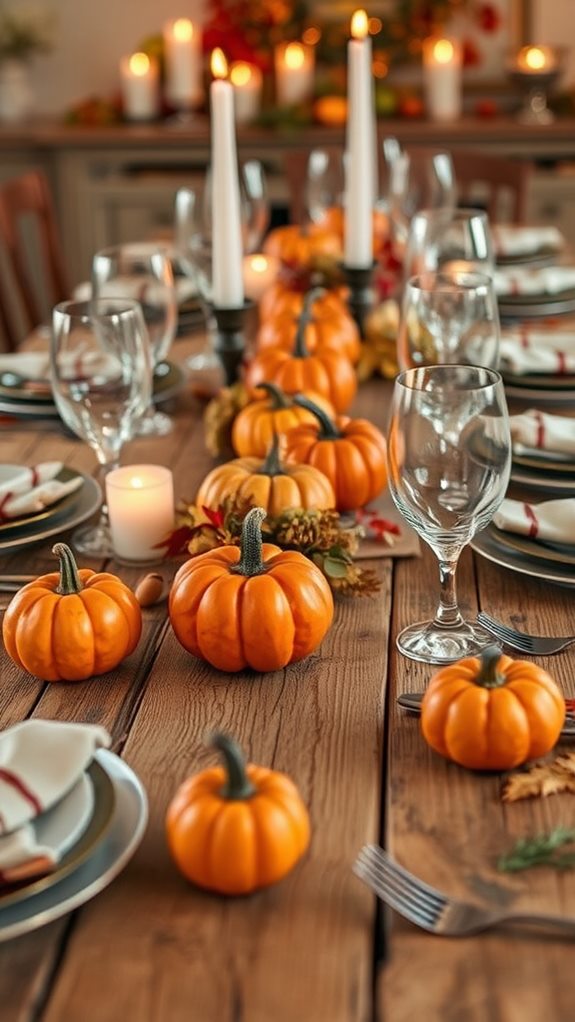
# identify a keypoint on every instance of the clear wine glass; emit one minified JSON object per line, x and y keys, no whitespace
{"x":418,"y":181}
{"x":254,"y":205}
{"x":101,"y":374}
{"x":449,"y":318}
{"x":325,"y":182}
{"x":450,"y":240}
{"x":449,"y":457}
{"x":142,"y":271}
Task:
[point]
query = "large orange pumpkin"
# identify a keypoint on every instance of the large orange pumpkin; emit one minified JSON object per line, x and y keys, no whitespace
{"x":269,"y":484}
{"x":350,"y":452}
{"x":236,"y":828}
{"x":274,"y":412}
{"x":71,"y":624}
{"x":492,"y":712}
{"x":254,"y":606}
{"x":325,"y":328}
{"x":300,"y":247}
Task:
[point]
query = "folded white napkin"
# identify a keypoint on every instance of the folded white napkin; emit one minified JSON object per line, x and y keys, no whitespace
{"x":553,"y":520}
{"x":543,"y":280}
{"x":38,"y":497}
{"x":41,"y":760}
{"x":535,"y":430}
{"x":31,"y":365}
{"x":25,"y":477}
{"x":531,"y":350}
{"x":514,"y":240}
{"x":35,"y":365}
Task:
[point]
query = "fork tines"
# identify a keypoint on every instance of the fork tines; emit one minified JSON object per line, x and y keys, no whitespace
{"x":408,"y":895}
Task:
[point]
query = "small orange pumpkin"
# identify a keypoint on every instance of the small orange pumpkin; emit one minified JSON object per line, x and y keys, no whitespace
{"x":300,"y":247}
{"x":236,"y":828}
{"x":492,"y":712}
{"x":254,"y":427}
{"x":285,"y":297}
{"x":254,"y":606}
{"x":270,"y":484}
{"x":350,"y":452}
{"x":324,"y":329}
{"x":71,"y":624}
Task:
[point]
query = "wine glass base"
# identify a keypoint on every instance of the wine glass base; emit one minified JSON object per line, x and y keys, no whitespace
{"x":431,"y":644}
{"x":155,"y":424}
{"x":93,"y":540}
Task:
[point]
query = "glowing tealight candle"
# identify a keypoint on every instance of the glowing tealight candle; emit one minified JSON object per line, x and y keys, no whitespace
{"x":140,"y":502}
{"x":442,"y":78}
{"x":139,"y":87}
{"x":183,"y":57}
{"x":358,"y":233}
{"x":259,"y":272}
{"x":227,"y":250}
{"x":294,"y":71}
{"x":247,"y":82}
{"x":536,"y":60}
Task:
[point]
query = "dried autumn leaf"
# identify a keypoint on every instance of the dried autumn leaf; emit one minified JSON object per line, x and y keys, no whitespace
{"x":542,"y":779}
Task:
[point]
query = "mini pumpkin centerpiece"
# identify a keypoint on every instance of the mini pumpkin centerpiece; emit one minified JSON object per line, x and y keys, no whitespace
{"x":326,"y":328}
{"x":350,"y":452}
{"x":272,"y":411}
{"x":327,"y":372}
{"x":236,"y":828}
{"x":492,"y":712}
{"x":73,"y":623}
{"x":299,"y":247}
{"x":270,"y":484}
{"x":255,"y":605}
{"x":285,"y":297}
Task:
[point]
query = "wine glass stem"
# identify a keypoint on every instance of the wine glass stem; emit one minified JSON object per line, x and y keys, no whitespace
{"x":104,"y":467}
{"x":447,"y":614}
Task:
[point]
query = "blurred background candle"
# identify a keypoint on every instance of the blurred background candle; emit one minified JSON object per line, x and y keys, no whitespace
{"x":139,"y":86}
{"x":358,"y":229}
{"x":294,"y":71}
{"x":183,"y":63}
{"x":140,"y":502}
{"x":442,"y":78}
{"x":247,"y":82}
{"x":259,"y":272}
{"x":227,"y":249}
{"x":536,"y":60}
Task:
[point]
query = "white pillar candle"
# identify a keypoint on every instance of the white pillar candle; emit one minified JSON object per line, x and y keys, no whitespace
{"x":247,"y":82}
{"x":140,"y":502}
{"x":139,"y":86}
{"x":294,"y":73}
{"x":183,"y":63}
{"x":358,"y":227}
{"x":442,"y":78}
{"x":227,"y":251}
{"x":259,"y":272}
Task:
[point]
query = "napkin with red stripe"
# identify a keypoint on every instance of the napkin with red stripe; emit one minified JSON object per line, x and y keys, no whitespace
{"x":545,"y":280}
{"x":525,"y":349}
{"x":552,"y":520}
{"x":516,"y":240}
{"x":34,"y":489}
{"x":539,"y":431}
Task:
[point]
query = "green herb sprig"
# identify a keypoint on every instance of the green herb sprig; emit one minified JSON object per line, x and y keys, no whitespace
{"x":540,"y":850}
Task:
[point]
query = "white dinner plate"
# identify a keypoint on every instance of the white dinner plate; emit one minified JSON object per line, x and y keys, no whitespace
{"x":89,"y":500}
{"x":125,"y":832}
{"x":486,"y":544}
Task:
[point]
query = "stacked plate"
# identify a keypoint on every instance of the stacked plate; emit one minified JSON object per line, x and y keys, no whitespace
{"x":545,"y":390}
{"x":547,"y":473}
{"x":543,"y":560}
{"x":63,"y":514}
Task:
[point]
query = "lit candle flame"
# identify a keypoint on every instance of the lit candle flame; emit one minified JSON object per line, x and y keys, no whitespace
{"x":218,"y":63}
{"x":183,"y":30}
{"x":136,"y":483}
{"x":535,"y":58}
{"x":443,"y":51}
{"x":359,"y":24}
{"x":139,"y":64}
{"x":259,"y":263}
{"x":240,"y":73}
{"x":294,"y":55}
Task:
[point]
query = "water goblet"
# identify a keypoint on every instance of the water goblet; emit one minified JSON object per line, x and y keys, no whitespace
{"x":101,"y":376}
{"x":451,"y":240}
{"x":449,"y":318}
{"x":449,"y":457}
{"x":142,"y":270}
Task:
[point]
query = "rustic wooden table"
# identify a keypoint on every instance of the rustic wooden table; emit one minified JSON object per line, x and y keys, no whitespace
{"x":316,"y":947}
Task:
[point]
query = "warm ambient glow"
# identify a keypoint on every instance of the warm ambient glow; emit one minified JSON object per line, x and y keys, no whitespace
{"x":443,"y":51}
{"x":375,"y":25}
{"x":259,"y":263}
{"x":139,"y":64}
{"x":136,"y":483}
{"x":294,"y":56}
{"x":311,"y":36}
{"x":183,"y":30}
{"x":218,"y":63}
{"x":241,"y":73}
{"x":359,"y":24}
{"x":535,"y":58}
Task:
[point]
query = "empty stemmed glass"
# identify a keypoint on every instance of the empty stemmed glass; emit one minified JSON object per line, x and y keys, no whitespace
{"x":452,"y":240}
{"x":422,"y":181}
{"x":324,"y":185}
{"x":102,"y":383}
{"x":449,"y":318}
{"x":142,"y":271}
{"x":449,"y":459}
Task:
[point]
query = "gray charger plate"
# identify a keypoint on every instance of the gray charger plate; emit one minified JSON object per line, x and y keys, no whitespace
{"x":487,"y":545}
{"x":89,"y":500}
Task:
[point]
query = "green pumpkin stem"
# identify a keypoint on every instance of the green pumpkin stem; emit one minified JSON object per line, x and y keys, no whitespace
{"x":329,"y":430}
{"x":70,"y":581}
{"x":251,"y":561}
{"x":489,"y":676}
{"x":305,"y":317}
{"x":276,"y":394}
{"x":272,"y":465}
{"x":238,"y":785}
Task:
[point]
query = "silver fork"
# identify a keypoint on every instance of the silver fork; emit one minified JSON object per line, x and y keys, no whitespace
{"x":429,"y":908}
{"x":523,"y":642}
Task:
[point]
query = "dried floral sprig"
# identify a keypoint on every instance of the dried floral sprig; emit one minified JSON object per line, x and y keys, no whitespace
{"x":219,"y":417}
{"x":318,"y":535}
{"x":541,"y":850}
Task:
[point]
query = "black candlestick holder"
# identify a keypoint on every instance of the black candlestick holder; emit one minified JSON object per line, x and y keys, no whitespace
{"x":361,"y":294}
{"x":229,"y":341}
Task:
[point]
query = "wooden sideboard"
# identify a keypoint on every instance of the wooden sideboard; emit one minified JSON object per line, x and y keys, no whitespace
{"x":117,"y":183}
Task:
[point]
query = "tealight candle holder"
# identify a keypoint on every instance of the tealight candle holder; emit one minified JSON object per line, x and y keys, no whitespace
{"x":536,"y":69}
{"x":229,"y":338}
{"x":140,"y":502}
{"x":361,"y":295}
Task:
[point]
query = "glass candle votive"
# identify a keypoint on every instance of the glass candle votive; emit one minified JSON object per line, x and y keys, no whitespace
{"x":141,"y":509}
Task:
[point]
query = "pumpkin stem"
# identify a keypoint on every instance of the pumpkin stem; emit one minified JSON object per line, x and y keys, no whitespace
{"x":305,"y":318}
{"x":251,"y":562}
{"x":70,"y":581}
{"x":238,"y":785}
{"x":329,"y":430}
{"x":277,"y":396}
{"x":272,"y":466}
{"x":489,"y":676}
